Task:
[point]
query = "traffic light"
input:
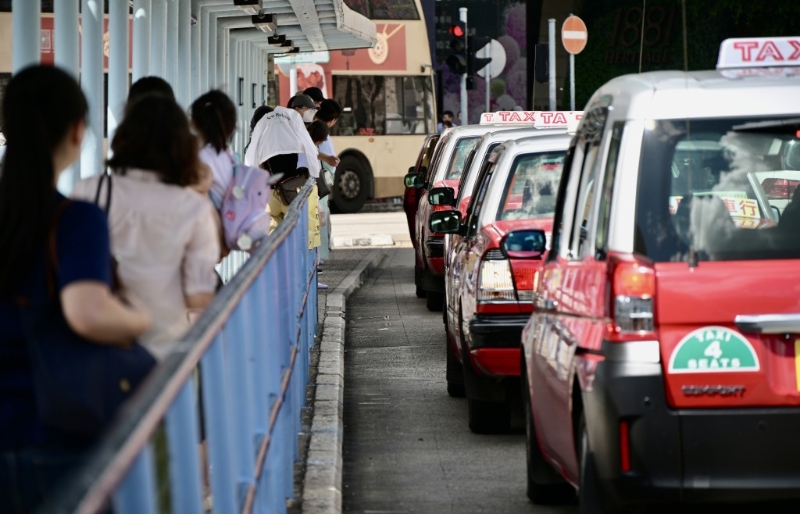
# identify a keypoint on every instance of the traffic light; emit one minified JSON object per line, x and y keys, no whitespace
{"x":476,"y":44}
{"x":457,"y":59}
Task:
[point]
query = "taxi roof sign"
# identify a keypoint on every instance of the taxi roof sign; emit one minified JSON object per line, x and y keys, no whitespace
{"x":758,"y":52}
{"x":539,"y":119}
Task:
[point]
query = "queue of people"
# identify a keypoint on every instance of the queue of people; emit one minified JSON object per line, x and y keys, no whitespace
{"x":100,"y":284}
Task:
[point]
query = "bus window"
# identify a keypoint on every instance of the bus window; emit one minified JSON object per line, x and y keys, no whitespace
{"x":376,"y":105}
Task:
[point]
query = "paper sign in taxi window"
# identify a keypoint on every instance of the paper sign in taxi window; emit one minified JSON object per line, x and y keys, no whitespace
{"x":759,"y":52}
{"x":537,"y":119}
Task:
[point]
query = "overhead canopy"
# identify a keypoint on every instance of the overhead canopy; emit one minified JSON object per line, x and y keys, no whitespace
{"x":311,"y":25}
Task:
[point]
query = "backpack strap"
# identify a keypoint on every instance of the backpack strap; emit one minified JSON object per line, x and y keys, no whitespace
{"x":229,"y":190}
{"x":105,"y":175}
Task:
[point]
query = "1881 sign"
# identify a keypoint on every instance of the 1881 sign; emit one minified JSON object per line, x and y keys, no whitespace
{"x":660,"y":24}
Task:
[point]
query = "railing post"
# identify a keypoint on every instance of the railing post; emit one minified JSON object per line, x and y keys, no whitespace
{"x":136,"y":493}
{"x":261,"y":354}
{"x":217,"y":423}
{"x":183,"y":436}
{"x":238,"y":335}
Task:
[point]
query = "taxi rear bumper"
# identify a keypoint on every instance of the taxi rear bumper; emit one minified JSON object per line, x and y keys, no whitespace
{"x":497,"y":330}
{"x":685,"y":455}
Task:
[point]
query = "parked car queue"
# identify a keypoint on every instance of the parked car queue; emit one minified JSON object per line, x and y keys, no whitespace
{"x":631,"y":279}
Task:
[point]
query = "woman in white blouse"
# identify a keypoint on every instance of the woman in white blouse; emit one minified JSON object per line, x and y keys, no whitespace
{"x":163,"y":233}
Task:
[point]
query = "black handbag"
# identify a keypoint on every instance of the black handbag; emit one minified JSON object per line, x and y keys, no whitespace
{"x":322,"y":185}
{"x":79,"y":385}
{"x":290,"y":187}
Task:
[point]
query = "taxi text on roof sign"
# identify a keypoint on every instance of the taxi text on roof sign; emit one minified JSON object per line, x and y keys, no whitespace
{"x":539,"y":119}
{"x":759,"y":52}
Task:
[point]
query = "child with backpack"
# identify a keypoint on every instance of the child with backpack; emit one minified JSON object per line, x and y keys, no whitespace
{"x":240,"y":193}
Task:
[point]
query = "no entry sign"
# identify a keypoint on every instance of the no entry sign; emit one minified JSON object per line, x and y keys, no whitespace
{"x":574,"y":35}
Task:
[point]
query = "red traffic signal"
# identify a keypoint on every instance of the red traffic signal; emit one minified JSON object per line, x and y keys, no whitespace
{"x":457,"y":30}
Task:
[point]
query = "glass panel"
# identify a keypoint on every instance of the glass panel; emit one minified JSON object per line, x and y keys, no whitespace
{"x":532,"y":186}
{"x":604,"y":216}
{"x":463,"y":148}
{"x":364,"y":104}
{"x":408,"y":104}
{"x":702,"y":190}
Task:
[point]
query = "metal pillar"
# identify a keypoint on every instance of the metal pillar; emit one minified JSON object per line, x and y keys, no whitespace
{"x":25,"y":44}
{"x":171,"y":72}
{"x":551,"y":44}
{"x":67,"y":45}
{"x":184,"y":67}
{"x":158,"y":38}
{"x":92,"y":83}
{"x":462,"y":16}
{"x":205,"y":51}
{"x":117,"y":63}
{"x":196,"y":30}
{"x":292,"y":80}
{"x":67,"y":57}
{"x":571,"y":82}
{"x":220,"y":59}
{"x":142,"y":19}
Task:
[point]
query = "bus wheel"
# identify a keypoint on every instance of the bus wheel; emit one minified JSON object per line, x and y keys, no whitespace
{"x":351,"y":186}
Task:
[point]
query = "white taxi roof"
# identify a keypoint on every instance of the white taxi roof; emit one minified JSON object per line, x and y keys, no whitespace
{"x":449,"y":140}
{"x":500,"y":133}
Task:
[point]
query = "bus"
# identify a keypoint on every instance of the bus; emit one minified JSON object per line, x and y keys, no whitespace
{"x":387,"y":93}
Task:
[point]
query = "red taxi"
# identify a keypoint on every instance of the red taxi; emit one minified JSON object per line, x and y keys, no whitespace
{"x":661,"y":363}
{"x":492,"y":288}
{"x":445,"y":171}
{"x":415,"y":182}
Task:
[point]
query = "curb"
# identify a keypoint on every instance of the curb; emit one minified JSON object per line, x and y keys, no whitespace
{"x":322,"y":492}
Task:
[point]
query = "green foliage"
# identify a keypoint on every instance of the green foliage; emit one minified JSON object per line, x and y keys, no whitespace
{"x":497,"y":87}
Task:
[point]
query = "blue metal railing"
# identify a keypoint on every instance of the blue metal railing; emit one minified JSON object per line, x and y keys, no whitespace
{"x":252,"y":349}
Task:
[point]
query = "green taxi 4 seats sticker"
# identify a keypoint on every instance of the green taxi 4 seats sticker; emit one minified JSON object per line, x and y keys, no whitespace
{"x":713,"y":350}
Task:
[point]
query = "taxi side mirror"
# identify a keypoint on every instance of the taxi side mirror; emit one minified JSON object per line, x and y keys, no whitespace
{"x":445,"y":222}
{"x":414,"y":180}
{"x":524,"y":244}
{"x":442,"y":196}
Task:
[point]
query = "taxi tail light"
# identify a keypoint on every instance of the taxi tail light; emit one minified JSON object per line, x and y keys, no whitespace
{"x":624,"y":447}
{"x":524,"y":272}
{"x":495,"y":282}
{"x":779,"y":188}
{"x":633,"y":286}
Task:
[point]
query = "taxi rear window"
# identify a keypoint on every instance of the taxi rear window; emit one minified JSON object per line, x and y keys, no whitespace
{"x":701,"y":191}
{"x":463,"y":148}
{"x":532,"y":186}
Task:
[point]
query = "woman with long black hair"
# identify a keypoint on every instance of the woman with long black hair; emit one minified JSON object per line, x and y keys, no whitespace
{"x":55,"y":281}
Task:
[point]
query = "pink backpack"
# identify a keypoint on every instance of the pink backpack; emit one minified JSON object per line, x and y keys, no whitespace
{"x":245,"y":220}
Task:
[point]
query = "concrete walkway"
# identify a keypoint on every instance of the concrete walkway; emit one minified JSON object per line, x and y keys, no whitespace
{"x":407,"y":447}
